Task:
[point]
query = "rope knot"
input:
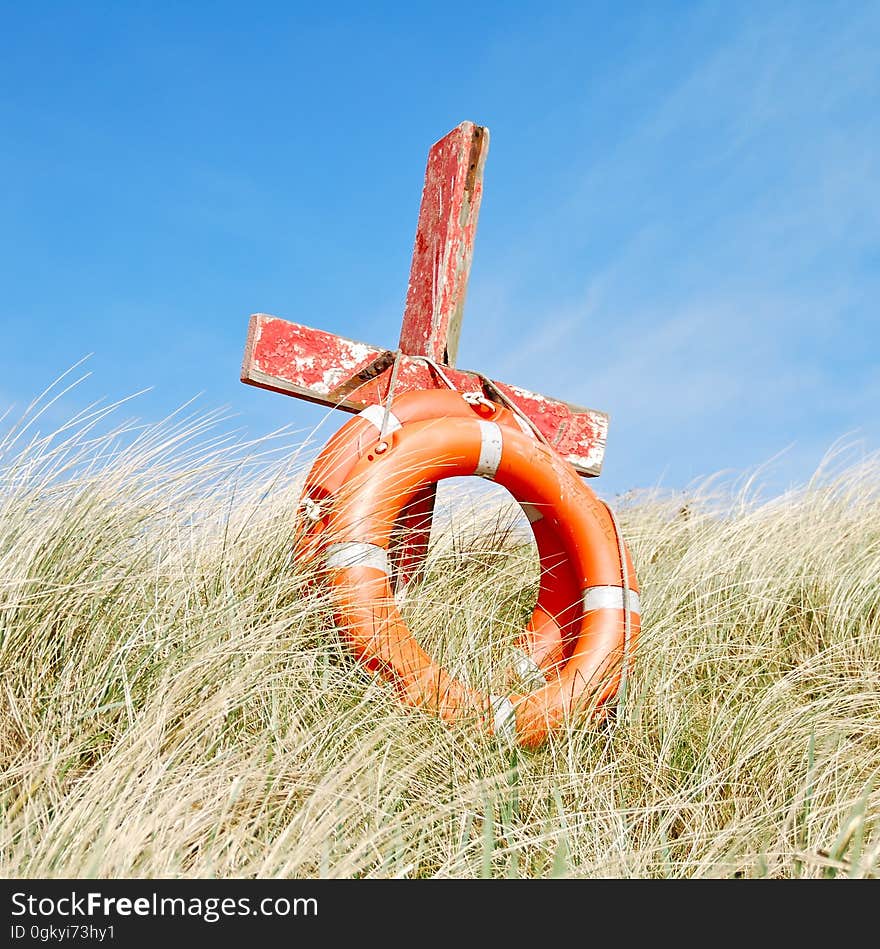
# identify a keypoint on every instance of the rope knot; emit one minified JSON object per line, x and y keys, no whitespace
{"x":311,"y":509}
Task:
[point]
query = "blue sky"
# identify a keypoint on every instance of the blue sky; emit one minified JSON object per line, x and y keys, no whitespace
{"x":680,"y":223}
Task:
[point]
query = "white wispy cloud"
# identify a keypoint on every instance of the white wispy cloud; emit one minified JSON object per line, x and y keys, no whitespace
{"x":733,"y":311}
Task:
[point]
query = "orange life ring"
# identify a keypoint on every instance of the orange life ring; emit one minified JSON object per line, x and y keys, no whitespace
{"x":556,"y":611}
{"x":360,"y":526}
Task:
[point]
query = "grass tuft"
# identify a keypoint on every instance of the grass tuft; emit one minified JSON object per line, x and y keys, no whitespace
{"x":176,"y":701}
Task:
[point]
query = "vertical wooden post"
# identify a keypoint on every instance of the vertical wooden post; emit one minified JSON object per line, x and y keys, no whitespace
{"x":436,"y":293}
{"x":444,"y":244}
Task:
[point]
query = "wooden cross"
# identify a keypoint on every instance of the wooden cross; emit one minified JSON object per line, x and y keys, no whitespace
{"x":331,"y":370}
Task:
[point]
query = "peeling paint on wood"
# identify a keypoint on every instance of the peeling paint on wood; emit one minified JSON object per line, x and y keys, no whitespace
{"x":313,"y":365}
{"x":444,"y":244}
{"x":331,"y":370}
{"x":438,"y":279}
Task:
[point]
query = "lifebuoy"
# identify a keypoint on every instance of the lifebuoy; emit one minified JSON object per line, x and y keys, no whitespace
{"x":556,"y":611}
{"x":359,"y":529}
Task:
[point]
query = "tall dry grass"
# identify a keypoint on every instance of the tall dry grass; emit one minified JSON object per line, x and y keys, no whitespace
{"x":176,"y":702}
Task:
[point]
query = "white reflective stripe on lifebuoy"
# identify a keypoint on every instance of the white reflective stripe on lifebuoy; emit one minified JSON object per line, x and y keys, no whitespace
{"x":532,"y":512}
{"x":610,"y":598}
{"x":376,"y":415}
{"x":357,"y":554}
{"x":503,"y":715}
{"x":491,"y":443}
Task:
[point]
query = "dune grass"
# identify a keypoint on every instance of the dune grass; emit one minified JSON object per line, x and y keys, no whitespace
{"x":176,"y":701}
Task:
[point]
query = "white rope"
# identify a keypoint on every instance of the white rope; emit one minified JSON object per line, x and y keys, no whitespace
{"x":311,"y":508}
{"x":468,"y":397}
{"x":513,"y":407}
{"x":435,"y":366}
{"x":392,"y":385}
{"x":627,"y":618}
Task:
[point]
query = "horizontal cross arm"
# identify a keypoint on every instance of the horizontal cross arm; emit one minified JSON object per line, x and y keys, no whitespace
{"x":331,"y":370}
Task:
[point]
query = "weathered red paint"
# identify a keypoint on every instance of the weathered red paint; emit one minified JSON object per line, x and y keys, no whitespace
{"x":444,"y":244}
{"x":435,"y":296}
{"x":312,"y":364}
{"x":330,"y":370}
